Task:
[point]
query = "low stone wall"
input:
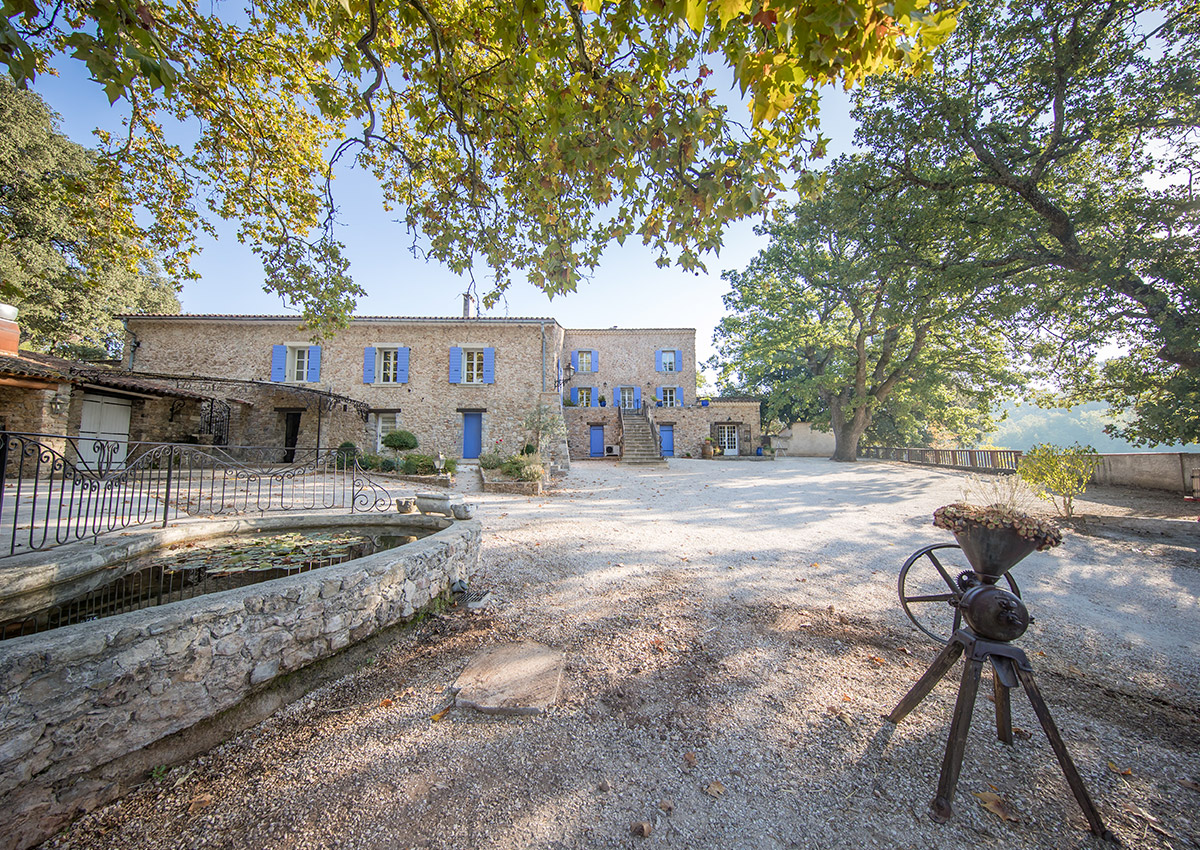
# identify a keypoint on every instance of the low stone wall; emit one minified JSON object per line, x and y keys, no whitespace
{"x":1171,"y":471}
{"x":83,"y":696}
{"x":495,"y":482}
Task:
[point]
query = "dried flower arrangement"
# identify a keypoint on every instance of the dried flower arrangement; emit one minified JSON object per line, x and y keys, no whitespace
{"x":959,"y":516}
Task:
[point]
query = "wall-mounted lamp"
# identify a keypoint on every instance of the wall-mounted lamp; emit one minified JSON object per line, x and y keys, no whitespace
{"x":59,"y":403}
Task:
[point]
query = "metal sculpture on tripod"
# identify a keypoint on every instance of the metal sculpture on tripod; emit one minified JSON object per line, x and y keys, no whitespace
{"x":993,"y":618}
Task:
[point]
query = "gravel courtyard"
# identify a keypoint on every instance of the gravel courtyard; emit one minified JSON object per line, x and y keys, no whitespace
{"x":733,"y":637}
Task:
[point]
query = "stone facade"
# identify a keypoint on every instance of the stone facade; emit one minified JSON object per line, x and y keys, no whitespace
{"x":524,"y":364}
{"x":524,"y":356}
{"x":630,"y":357}
{"x":82,"y":696}
{"x":696,"y":423}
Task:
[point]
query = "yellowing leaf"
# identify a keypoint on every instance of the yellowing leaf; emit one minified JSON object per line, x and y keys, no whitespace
{"x":1118,"y":771}
{"x":441,"y":715}
{"x":996,"y":804}
{"x":730,"y":9}
{"x":715,"y":789}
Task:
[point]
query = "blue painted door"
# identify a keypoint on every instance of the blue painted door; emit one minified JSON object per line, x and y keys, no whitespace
{"x":666,"y":434}
{"x":472,"y":435}
{"x":597,"y":447}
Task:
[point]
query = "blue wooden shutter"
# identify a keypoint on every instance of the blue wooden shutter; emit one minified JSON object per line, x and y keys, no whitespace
{"x":369,"y":364}
{"x":489,"y":365}
{"x":575,"y":360}
{"x":455,"y":365}
{"x":679,"y":396}
{"x":637,"y":396}
{"x":314,"y":364}
{"x":574,"y":395}
{"x":278,"y":363}
{"x":678,"y":360}
{"x":658,"y":360}
{"x":595,"y":396}
{"x":658,"y":393}
{"x":616,"y":396}
{"x":595,"y":360}
{"x":402,"y":365}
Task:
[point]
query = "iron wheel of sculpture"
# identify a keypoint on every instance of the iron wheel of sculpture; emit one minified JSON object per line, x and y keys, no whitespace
{"x":931,"y":587}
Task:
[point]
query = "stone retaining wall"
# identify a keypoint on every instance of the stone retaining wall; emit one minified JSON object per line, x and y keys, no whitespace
{"x":83,"y":696}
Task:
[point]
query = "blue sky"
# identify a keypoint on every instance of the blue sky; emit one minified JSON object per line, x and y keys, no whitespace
{"x":627,"y":290}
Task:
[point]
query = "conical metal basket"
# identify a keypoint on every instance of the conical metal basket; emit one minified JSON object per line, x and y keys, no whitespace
{"x":993,"y":551}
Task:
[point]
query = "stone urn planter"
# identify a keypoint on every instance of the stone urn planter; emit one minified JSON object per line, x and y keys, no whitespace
{"x":706,"y":450}
{"x":406,"y":506}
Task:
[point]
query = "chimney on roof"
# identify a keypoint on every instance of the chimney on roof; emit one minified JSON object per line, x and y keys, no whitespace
{"x":467,"y":299}
{"x":10,"y":333}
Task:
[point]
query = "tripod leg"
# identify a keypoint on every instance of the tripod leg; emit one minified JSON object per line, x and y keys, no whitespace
{"x":940,"y":666}
{"x":957,"y":743}
{"x":1002,"y":681}
{"x":1064,"y":759}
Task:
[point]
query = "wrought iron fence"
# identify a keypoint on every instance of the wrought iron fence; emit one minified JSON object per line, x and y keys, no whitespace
{"x":58,"y":489}
{"x":975,"y":460}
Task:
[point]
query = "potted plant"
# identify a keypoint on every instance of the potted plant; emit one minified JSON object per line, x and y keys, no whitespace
{"x":706,"y":450}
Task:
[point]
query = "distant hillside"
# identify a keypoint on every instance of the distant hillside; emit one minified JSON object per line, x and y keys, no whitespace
{"x":1026,"y":425}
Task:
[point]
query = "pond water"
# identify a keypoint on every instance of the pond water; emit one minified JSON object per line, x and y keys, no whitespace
{"x":187,"y":570}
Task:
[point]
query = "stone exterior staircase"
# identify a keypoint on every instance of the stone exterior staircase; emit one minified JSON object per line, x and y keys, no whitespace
{"x":639,"y":446}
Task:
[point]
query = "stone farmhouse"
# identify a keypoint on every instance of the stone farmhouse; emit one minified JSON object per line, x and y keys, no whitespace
{"x":463,"y":386}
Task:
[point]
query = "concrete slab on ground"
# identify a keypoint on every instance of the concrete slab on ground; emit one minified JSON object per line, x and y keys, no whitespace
{"x":515,"y":678}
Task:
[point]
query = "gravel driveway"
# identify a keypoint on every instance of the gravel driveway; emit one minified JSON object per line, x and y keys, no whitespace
{"x":733,"y":638}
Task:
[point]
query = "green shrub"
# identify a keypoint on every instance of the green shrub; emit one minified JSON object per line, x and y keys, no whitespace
{"x":345,"y":454}
{"x":523,"y":467}
{"x":1059,"y":474}
{"x":387,"y":465}
{"x":418,"y":464}
{"x":370,"y":462}
{"x":529,"y":449}
{"x":490,"y":460}
{"x":400,"y":441}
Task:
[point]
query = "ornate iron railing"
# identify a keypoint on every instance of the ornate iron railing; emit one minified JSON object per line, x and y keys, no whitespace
{"x":976,"y":460}
{"x":58,"y":489}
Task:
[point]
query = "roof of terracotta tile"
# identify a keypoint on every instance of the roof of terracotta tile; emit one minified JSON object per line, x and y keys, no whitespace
{"x":26,"y":366}
{"x":125,"y":381}
{"x":242,"y":317}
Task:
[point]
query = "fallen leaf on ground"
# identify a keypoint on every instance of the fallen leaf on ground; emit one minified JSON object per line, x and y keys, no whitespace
{"x":877,"y":660}
{"x":904,"y":649}
{"x":1126,"y":772}
{"x":1021,"y":733}
{"x":385,"y":703}
{"x":666,"y":805}
{"x":1189,"y":783}
{"x":642,"y":829}
{"x":183,"y":778}
{"x":815,"y":566}
{"x":996,"y":804}
{"x":1151,"y":820}
{"x":845,"y":697}
{"x":199,"y":803}
{"x":441,"y":715}
{"x":714,"y":789}
{"x":689,"y":759}
{"x":1073,"y":670}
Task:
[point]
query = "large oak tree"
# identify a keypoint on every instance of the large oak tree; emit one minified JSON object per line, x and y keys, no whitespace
{"x":856,"y":309}
{"x":523,"y":136}
{"x":1065,"y":131}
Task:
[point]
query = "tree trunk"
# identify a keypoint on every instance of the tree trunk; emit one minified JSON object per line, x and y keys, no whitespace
{"x":847,"y":432}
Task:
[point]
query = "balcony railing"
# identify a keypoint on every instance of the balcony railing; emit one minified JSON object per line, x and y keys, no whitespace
{"x":974,"y":460}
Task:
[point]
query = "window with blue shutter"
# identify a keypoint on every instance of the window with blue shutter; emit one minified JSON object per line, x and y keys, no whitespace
{"x":616,"y":396}
{"x":595,"y":396}
{"x":637,"y":397}
{"x":575,"y":360}
{"x":678,"y":360}
{"x":369,"y":364}
{"x":658,"y":360}
{"x":489,"y":365}
{"x":574,"y":395}
{"x":595,"y":360}
{"x":402,"y":365}
{"x":658,"y":393}
{"x":279,"y":356}
{"x":314,"y":364}
{"x":456,"y":365}
{"x":679,"y":396}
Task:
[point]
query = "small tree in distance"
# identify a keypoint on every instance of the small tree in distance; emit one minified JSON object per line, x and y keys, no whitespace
{"x":400,"y":441}
{"x":1059,"y":474}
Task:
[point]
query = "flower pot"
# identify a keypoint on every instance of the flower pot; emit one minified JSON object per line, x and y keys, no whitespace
{"x":993,"y":551}
{"x":706,"y":451}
